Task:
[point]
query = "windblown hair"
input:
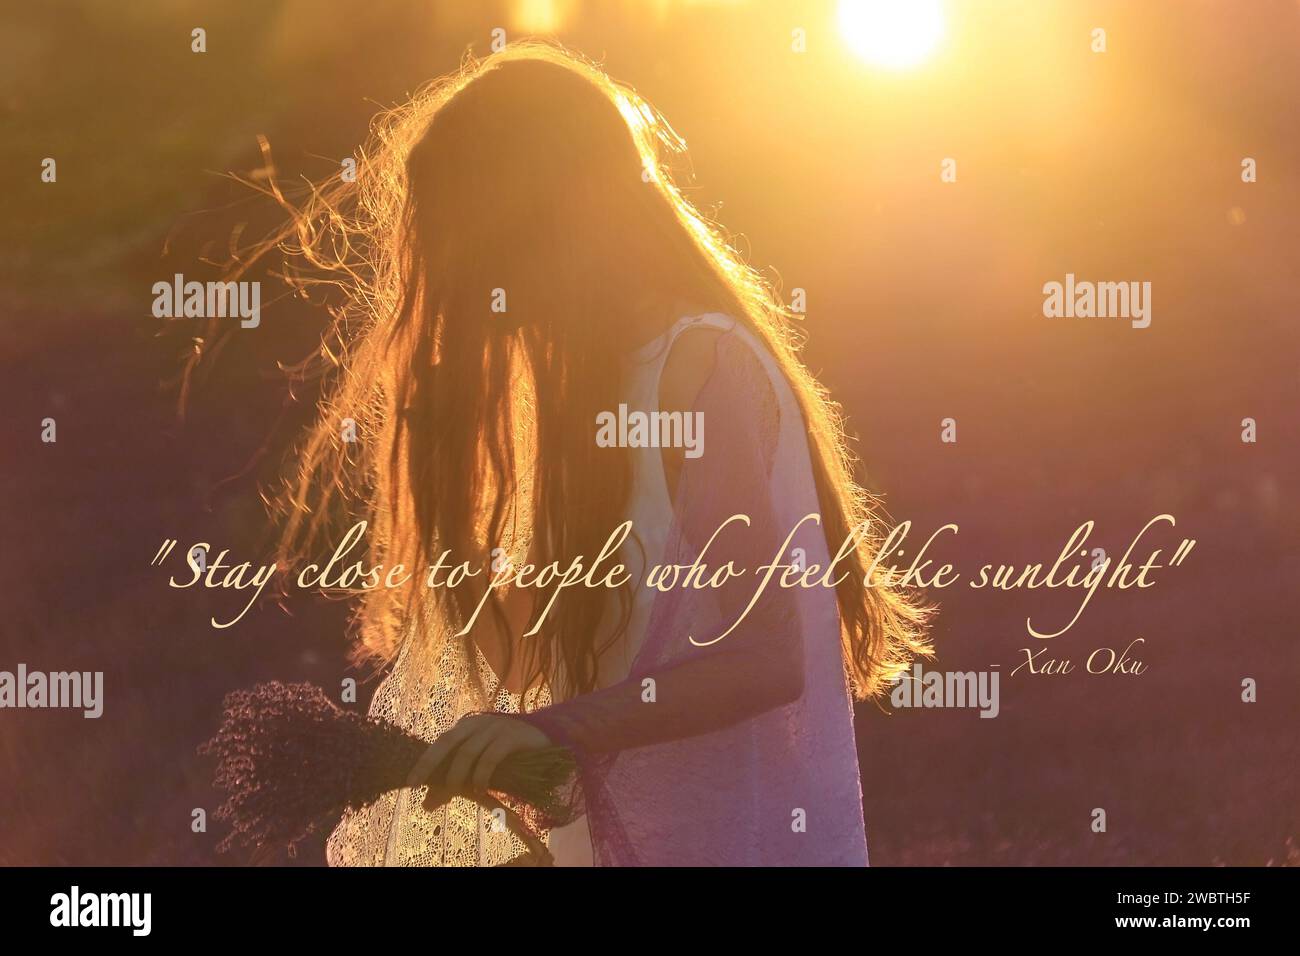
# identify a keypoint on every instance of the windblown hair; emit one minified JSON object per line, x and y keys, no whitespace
{"x":527,"y":177}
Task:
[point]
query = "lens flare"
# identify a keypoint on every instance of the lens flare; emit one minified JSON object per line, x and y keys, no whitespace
{"x":893,"y":34}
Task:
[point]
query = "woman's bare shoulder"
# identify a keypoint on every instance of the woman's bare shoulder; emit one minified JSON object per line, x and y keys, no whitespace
{"x":690,"y":362}
{"x":701,"y":350}
{"x":726,"y":361}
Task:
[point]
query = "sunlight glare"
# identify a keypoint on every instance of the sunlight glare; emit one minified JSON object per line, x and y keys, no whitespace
{"x":891,"y":33}
{"x":538,"y":16}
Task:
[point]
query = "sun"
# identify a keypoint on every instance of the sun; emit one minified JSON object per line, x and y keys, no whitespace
{"x":894,"y":34}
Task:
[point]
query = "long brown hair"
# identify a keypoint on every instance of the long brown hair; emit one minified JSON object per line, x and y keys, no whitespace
{"x":498,"y":226}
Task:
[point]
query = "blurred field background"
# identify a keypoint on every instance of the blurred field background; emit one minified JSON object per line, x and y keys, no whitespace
{"x":924,"y":302}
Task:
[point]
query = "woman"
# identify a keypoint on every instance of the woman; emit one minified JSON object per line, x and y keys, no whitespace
{"x":515,"y":261}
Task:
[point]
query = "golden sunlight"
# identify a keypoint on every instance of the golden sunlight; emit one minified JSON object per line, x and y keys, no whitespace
{"x":894,"y":34}
{"x":538,"y":16}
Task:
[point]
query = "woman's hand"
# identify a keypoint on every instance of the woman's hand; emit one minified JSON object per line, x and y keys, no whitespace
{"x":472,"y":750}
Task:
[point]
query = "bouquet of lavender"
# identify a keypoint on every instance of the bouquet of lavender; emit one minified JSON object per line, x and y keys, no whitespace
{"x":290,"y":759}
